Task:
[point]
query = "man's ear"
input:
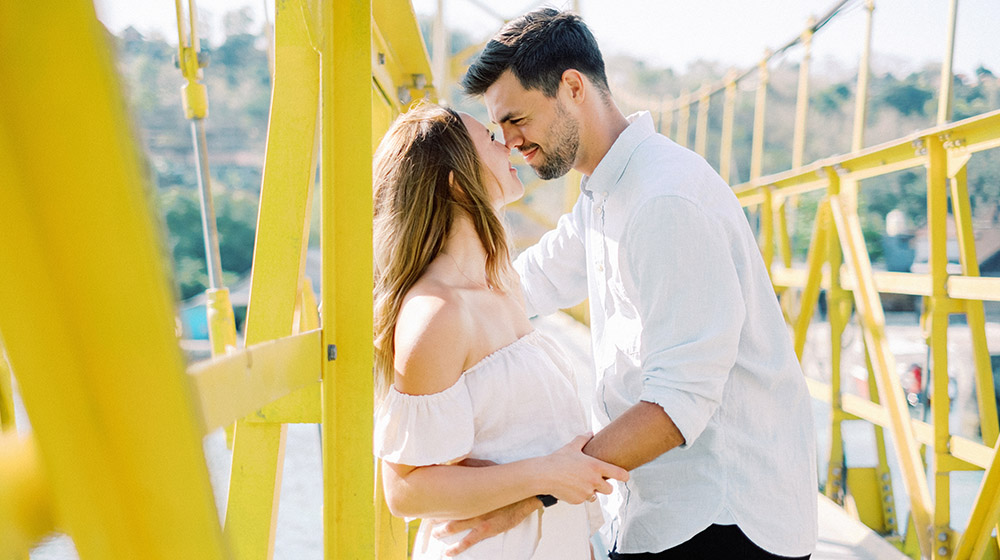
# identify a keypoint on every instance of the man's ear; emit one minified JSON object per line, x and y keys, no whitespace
{"x":574,"y":85}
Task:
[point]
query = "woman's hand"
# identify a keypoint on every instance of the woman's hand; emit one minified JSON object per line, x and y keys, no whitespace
{"x":573,"y":477}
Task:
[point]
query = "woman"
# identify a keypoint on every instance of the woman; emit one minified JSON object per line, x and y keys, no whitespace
{"x":460,"y":373}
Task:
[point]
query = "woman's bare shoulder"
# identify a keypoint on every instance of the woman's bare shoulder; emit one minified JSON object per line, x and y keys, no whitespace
{"x":433,"y":334}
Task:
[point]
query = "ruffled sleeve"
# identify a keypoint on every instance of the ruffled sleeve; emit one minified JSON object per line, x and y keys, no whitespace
{"x":420,"y":430}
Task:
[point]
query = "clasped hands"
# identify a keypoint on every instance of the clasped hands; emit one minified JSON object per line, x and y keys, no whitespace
{"x":568,"y":474}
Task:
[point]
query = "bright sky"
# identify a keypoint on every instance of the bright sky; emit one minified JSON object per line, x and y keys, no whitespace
{"x":671,"y":33}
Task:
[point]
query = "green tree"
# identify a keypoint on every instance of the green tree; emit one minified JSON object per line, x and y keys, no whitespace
{"x":908,"y":99}
{"x":236,"y":213}
{"x":829,"y":99}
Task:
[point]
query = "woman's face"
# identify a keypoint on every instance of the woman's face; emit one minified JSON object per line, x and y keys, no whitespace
{"x":502,"y":182}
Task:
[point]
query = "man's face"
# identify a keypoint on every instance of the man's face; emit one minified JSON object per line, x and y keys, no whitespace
{"x":540,"y":127}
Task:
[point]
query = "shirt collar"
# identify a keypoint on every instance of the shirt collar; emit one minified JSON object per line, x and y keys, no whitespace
{"x":612,"y":165}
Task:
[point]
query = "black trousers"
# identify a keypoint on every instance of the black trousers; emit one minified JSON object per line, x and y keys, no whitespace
{"x":718,"y":542}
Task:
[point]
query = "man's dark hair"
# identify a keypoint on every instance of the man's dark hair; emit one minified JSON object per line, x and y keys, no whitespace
{"x":538,"y":47}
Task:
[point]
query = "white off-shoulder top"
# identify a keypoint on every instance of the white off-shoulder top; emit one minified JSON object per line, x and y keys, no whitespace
{"x":518,"y":402}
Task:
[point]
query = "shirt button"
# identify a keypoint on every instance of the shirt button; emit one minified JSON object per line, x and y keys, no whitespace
{"x":600,"y":267}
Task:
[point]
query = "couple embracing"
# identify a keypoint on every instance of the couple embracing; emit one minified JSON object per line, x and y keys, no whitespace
{"x":701,"y":433}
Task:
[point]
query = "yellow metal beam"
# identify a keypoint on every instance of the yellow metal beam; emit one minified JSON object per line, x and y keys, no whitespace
{"x":767,"y":214}
{"x":974,"y":311}
{"x":864,"y":73}
{"x":7,"y":422}
{"x":760,"y":105}
{"x":945,"y":94}
{"x":968,"y":136}
{"x":728,"y":116}
{"x":258,"y":449}
{"x":87,"y":314}
{"x":937,"y":213}
{"x":25,"y":504}
{"x":974,"y":541}
{"x":973,"y":288}
{"x":683,"y":119}
{"x":883,"y":495}
{"x":234,"y":386}
{"x":890,"y":392}
{"x":971,"y":454}
{"x":815,"y":259}
{"x":397,"y":22}
{"x":346,"y":97}
{"x":302,"y":406}
{"x":897,"y":283}
{"x":701,"y":124}
{"x":802,"y":97}
{"x":667,"y":118}
{"x":838,"y":314}
{"x":784,"y":240}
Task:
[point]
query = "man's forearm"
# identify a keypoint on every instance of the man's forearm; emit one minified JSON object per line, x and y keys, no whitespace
{"x":641,"y":434}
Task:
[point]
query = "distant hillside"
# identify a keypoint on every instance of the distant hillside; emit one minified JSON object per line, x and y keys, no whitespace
{"x":239,"y":87}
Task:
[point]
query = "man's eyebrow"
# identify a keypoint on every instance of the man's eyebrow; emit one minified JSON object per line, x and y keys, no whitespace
{"x":506,"y":118}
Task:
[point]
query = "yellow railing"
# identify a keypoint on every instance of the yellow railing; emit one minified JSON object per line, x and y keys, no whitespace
{"x":114,"y":458}
{"x":837,"y":244}
{"x":838,"y":263}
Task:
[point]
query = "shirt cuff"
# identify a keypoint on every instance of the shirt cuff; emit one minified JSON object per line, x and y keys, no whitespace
{"x":689,"y":413}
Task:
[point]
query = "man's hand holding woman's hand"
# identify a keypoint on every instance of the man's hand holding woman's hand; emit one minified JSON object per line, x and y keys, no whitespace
{"x":573,"y":477}
{"x":567,"y":474}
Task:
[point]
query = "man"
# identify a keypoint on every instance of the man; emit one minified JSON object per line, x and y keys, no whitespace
{"x":699,"y":393}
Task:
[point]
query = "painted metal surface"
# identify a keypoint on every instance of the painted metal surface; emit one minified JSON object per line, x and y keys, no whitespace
{"x":118,"y":462}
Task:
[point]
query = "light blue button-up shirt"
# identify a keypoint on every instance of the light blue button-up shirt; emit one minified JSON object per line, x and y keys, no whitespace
{"x":683,"y":315}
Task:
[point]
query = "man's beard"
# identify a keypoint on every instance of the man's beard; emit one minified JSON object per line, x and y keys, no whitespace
{"x":565,"y":143}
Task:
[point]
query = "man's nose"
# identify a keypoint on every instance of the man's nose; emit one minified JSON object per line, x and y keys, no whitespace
{"x":511,"y":138}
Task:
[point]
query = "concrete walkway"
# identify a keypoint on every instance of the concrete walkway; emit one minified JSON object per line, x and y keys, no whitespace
{"x":841,"y":537}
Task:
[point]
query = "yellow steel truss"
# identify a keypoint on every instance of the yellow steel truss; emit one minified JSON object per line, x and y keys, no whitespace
{"x":87,"y":316}
{"x":114,"y":458}
{"x":943,"y":150}
{"x":117,"y":421}
{"x":838,"y":262}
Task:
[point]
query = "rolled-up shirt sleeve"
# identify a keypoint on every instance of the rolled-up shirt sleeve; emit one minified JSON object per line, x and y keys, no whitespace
{"x":553,"y":271}
{"x":679,"y":268}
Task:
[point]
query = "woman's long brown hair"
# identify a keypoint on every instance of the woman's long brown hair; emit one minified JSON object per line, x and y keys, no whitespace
{"x":426,"y":170}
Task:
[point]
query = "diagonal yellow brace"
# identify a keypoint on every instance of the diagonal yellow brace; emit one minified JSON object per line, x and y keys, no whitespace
{"x":814,"y":262}
{"x":890,"y":391}
{"x":258,"y":450}
{"x":87,"y":315}
{"x":985,"y":512}
{"x":974,"y":310}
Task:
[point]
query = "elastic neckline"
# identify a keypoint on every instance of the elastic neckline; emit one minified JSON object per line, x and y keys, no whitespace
{"x":481,"y":363}
{"x":502,"y":350}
